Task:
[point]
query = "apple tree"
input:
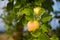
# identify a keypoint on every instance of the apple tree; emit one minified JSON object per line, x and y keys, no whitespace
{"x":33,"y":15}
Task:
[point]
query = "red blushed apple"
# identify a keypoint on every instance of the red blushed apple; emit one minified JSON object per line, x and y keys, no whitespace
{"x":32,"y":25}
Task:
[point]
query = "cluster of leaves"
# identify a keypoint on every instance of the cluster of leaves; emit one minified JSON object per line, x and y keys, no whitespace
{"x":21,"y":11}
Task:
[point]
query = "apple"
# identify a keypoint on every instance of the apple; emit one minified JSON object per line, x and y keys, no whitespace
{"x":38,"y":10}
{"x":32,"y":25}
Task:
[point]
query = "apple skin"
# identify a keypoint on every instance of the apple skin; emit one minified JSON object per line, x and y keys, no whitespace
{"x":38,"y":10}
{"x":32,"y":25}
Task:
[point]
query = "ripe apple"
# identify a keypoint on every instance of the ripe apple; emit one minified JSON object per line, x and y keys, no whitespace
{"x":32,"y":25}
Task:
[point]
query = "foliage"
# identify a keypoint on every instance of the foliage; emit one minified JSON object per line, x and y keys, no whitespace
{"x":22,"y":11}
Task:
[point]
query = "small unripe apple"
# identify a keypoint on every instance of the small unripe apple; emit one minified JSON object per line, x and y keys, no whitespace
{"x":38,"y":10}
{"x":32,"y":25}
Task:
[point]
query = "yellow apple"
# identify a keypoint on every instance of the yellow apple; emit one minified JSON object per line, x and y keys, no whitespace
{"x":32,"y":25}
{"x":38,"y":10}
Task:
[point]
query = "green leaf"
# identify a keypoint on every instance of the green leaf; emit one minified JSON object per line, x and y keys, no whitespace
{"x":26,"y":11}
{"x":49,"y":6}
{"x":24,"y":21}
{"x":17,"y":6}
{"x":19,"y":3}
{"x":36,"y":33}
{"x":9,"y":6}
{"x":54,"y":37}
{"x":38,"y":2}
{"x":31,"y":17}
{"x":45,"y":17}
{"x":44,"y":37}
{"x":45,"y":28}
